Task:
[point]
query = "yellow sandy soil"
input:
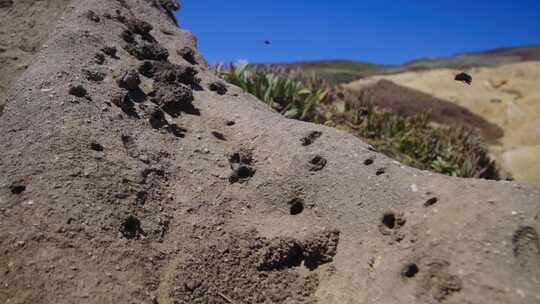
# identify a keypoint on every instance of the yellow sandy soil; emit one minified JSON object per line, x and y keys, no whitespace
{"x":508,"y":96}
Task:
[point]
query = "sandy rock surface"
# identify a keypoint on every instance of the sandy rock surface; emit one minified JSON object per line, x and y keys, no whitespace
{"x":165,"y":185}
{"x":24,"y":28}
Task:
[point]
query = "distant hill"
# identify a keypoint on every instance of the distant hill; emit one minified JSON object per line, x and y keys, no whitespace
{"x":337,"y":71}
{"x":488,"y":58}
{"x":344,"y":71}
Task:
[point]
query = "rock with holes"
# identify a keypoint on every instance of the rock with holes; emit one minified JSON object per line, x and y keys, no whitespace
{"x":173,"y":99}
{"x":140,"y":43}
{"x":169,"y":73}
{"x":95,"y":75}
{"x":158,"y":120}
{"x":188,"y":54}
{"x":130,"y":80}
{"x":126,"y":104}
{"x":110,"y":51}
{"x":139,"y":27}
{"x":170,"y":5}
{"x":148,"y":219}
{"x":218,"y":86}
{"x":144,"y":50}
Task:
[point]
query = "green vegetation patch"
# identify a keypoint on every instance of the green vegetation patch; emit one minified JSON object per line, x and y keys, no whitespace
{"x":415,"y":141}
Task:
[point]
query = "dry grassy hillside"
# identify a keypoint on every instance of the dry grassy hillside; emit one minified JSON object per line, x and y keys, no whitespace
{"x":508,"y":96}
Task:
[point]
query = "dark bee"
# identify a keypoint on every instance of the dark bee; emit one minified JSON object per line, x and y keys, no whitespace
{"x":464,"y":77}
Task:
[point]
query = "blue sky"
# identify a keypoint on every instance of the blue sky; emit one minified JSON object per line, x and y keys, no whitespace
{"x":380,"y":31}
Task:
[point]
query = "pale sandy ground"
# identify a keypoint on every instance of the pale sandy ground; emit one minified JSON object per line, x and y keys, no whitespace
{"x":508,"y":96}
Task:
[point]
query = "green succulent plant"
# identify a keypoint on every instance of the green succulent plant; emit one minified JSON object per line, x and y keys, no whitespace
{"x":414,"y":141}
